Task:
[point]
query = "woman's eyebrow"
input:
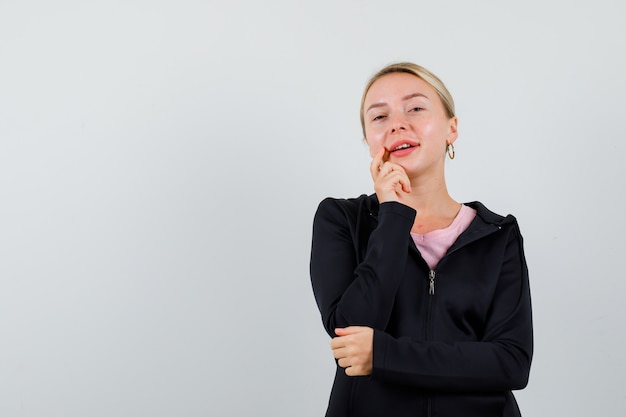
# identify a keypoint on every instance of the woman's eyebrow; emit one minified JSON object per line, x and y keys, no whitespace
{"x":410,"y":96}
{"x":381,"y":104}
{"x":405,"y":98}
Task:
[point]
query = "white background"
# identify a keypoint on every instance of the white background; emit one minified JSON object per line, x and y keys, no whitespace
{"x":161,"y":162}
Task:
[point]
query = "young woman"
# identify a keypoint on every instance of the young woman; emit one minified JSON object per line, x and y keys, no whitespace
{"x":426,"y":300}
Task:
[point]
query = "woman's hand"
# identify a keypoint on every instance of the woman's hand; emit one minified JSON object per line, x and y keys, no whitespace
{"x":353,"y":349}
{"x":390,"y":180}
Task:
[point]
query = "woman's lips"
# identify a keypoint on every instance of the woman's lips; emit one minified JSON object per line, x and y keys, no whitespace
{"x":404,"y":151}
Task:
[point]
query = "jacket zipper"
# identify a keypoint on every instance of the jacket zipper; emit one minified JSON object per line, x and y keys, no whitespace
{"x":431,"y":293}
{"x":431,"y":277}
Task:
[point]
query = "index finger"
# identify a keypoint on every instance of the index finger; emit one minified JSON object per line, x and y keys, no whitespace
{"x":381,"y":156}
{"x":337,"y":342}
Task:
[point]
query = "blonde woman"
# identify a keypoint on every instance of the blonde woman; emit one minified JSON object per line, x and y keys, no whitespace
{"x":426,"y":299}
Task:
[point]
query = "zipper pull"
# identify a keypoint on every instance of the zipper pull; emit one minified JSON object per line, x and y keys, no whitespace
{"x":431,"y":276}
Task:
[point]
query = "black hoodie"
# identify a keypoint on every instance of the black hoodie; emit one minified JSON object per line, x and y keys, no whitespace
{"x":450,"y":342}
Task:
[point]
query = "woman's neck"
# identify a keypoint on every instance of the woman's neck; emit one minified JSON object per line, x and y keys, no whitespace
{"x":435,"y":209}
{"x":430,"y":197}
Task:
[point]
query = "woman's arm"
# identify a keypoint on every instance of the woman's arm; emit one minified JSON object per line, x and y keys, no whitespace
{"x":499,"y":361}
{"x":348,"y":292}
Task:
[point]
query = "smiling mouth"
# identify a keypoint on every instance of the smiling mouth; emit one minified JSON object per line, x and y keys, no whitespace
{"x":402,"y":147}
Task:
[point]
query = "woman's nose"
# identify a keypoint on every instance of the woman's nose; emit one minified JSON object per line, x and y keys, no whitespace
{"x":398,"y":123}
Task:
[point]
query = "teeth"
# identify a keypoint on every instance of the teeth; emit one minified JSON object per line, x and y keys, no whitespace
{"x":404,"y":146}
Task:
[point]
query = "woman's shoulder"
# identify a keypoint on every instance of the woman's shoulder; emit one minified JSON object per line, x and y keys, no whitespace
{"x":489,"y":216}
{"x":364,"y":201}
{"x":347,"y":207}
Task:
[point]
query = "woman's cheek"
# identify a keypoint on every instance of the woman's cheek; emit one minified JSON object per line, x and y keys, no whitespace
{"x":374,"y":144}
{"x":372,"y":150}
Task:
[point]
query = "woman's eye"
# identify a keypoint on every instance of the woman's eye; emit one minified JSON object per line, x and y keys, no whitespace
{"x":379,"y":117}
{"x":416,"y":109}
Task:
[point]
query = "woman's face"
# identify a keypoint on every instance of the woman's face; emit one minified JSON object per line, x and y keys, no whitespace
{"x":405,"y":115}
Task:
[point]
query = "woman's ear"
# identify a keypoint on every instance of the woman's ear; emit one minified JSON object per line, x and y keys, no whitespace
{"x":453,"y":131}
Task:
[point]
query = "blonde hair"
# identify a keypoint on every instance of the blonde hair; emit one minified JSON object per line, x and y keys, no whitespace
{"x":418,"y":71}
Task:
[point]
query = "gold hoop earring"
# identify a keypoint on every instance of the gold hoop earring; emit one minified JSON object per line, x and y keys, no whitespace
{"x":450,"y":150}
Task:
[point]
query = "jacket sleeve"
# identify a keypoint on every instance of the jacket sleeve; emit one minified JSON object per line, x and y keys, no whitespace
{"x":499,"y":361}
{"x":352,"y":293}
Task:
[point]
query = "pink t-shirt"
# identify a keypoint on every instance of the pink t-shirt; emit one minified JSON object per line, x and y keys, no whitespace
{"x":434,"y":245}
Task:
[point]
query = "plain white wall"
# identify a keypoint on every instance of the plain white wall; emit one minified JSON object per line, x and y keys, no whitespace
{"x":161,"y":162}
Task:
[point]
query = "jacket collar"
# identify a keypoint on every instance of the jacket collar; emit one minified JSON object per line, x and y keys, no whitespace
{"x":486,"y":215}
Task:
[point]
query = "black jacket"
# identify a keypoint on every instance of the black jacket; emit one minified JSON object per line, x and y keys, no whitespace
{"x":450,"y":342}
